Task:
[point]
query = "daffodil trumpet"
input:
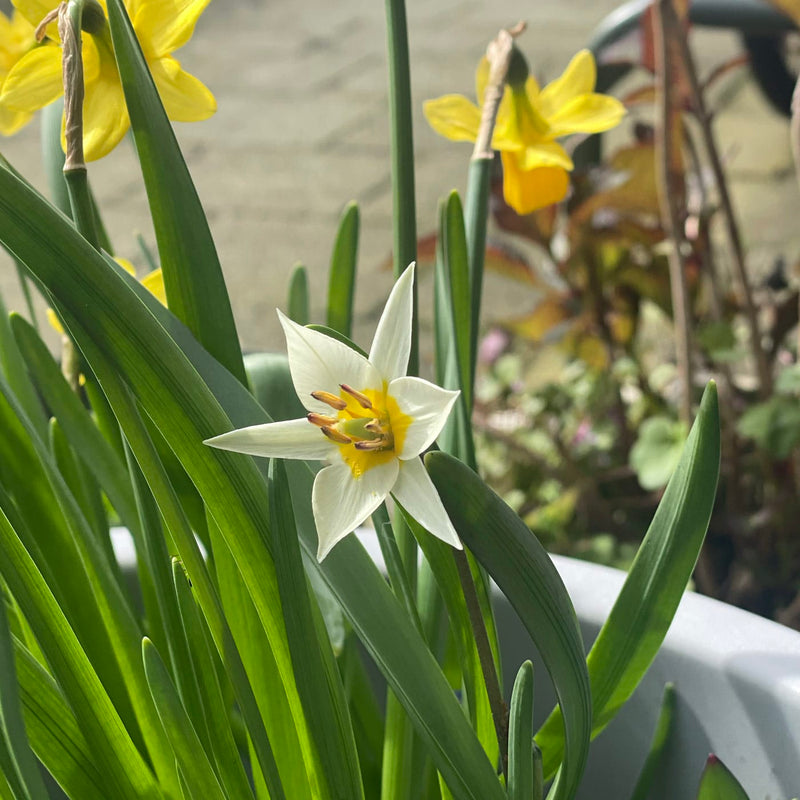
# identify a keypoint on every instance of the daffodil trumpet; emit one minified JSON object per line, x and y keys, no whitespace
{"x":366,"y":418}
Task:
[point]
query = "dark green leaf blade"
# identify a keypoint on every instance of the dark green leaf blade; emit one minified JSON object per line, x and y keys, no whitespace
{"x":643,"y":612}
{"x":192,"y":275}
{"x":315,"y":670}
{"x":516,"y":560}
{"x":520,"y":736}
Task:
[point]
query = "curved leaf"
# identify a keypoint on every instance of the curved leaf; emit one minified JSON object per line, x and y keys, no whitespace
{"x":513,"y":556}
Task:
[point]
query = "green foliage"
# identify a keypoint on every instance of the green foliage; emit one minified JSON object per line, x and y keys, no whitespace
{"x":658,"y":447}
{"x":718,"y":783}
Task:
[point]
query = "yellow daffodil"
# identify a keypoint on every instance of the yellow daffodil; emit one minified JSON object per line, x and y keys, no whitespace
{"x":529,"y":120}
{"x":16,"y":39}
{"x":162,"y":26}
{"x":153,"y":282}
{"x":365,"y":417}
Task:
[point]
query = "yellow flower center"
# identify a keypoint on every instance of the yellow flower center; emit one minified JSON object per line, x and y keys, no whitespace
{"x":369,"y":428}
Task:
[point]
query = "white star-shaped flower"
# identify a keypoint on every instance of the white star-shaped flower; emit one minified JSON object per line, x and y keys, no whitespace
{"x":367,"y":418}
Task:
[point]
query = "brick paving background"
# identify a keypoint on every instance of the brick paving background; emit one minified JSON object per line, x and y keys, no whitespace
{"x":302,"y":128}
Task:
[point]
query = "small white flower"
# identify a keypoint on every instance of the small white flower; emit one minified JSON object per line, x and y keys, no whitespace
{"x":366,"y":417}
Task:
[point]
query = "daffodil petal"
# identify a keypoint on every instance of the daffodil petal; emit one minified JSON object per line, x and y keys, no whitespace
{"x":481,"y":80}
{"x":167,"y":25}
{"x":105,"y":115}
{"x":454,"y":117}
{"x":35,"y":11}
{"x":415,"y":491}
{"x":525,"y":191}
{"x":392,"y":343}
{"x":578,"y":78}
{"x":428,"y":406}
{"x":341,"y":502}
{"x":12,"y":121}
{"x":154,"y":283}
{"x":294,"y":438}
{"x":34,"y":81}
{"x":185,"y":98}
{"x":543,"y":154}
{"x":589,"y":113}
{"x":319,"y":363}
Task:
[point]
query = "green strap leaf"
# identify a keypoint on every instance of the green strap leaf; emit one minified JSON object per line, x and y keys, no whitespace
{"x":520,"y":736}
{"x":124,"y":769}
{"x":643,"y":612}
{"x":317,"y":676}
{"x":666,"y":717}
{"x":513,"y":556}
{"x":192,"y":275}
{"x":718,"y":783}
{"x":342,"y":281}
{"x":13,"y":738}
{"x":189,"y":753}
{"x":54,"y":732}
{"x":298,"y":305}
{"x":130,"y":329}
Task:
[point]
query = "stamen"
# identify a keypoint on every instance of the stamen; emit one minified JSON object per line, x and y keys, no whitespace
{"x":335,"y":436}
{"x":330,"y":399}
{"x":321,"y":420}
{"x":362,"y":399}
{"x":371,"y":444}
{"x":374,"y":426}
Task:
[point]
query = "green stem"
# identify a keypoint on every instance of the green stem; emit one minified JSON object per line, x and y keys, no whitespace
{"x":402,"y":148}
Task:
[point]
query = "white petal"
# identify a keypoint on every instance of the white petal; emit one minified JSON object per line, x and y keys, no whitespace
{"x":293,"y":438}
{"x":341,"y":502}
{"x":415,"y":491}
{"x":319,"y":363}
{"x":392,"y":343}
{"x":428,"y":405}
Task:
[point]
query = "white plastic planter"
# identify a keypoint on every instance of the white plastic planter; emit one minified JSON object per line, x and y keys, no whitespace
{"x":737,"y":678}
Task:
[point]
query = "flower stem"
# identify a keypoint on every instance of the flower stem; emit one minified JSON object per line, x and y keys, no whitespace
{"x":402,"y":149}
{"x":490,"y":676}
{"x":476,"y":207}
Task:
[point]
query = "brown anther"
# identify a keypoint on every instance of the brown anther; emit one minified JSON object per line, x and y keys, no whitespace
{"x":321,"y":420}
{"x":371,"y":444}
{"x":373,"y":426}
{"x":362,"y":399}
{"x":330,"y":399}
{"x":335,"y":435}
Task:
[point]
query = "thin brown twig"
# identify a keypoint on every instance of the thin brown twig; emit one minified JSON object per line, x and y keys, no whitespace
{"x":665,"y":21}
{"x":498,"y":53}
{"x":794,"y":139}
{"x":670,"y":20}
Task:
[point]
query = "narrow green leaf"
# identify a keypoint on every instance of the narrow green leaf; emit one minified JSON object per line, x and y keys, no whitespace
{"x":126,"y":772}
{"x":457,"y":260}
{"x":643,"y":612}
{"x":117,"y":616}
{"x":298,"y":306}
{"x":339,"y":337}
{"x":513,"y":556}
{"x":54,"y":732}
{"x":12,"y":728}
{"x":217,"y":734}
{"x":520,"y":736}
{"x":13,"y":367}
{"x":192,"y":275}
{"x":272,"y":385}
{"x":476,"y":217}
{"x":192,"y":758}
{"x":342,"y":281}
{"x":719,"y":783}
{"x":666,"y":717}
{"x":129,"y":333}
{"x":317,"y":677}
